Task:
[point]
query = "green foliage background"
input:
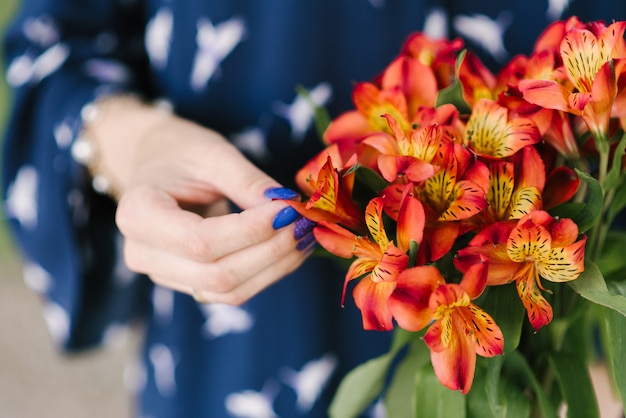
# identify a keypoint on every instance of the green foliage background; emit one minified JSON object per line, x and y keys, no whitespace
{"x":7,"y":8}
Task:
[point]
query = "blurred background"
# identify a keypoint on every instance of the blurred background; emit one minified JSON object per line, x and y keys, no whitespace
{"x":35,"y":380}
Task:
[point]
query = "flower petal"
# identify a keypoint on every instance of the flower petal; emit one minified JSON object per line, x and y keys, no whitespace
{"x":564,"y":263}
{"x":468,"y":199}
{"x":455,"y":364}
{"x":524,"y":201}
{"x":546,"y":93}
{"x":392,"y":263}
{"x":581,"y":57}
{"x":537,"y":307}
{"x":335,"y":239}
{"x":374,"y":221}
{"x":475,"y":279}
{"x":371,"y":299}
{"x":411,"y":220}
{"x":488,"y":337}
{"x":409,"y":302}
{"x":490,"y":133}
{"x":529,"y":242}
{"x":392,"y":166}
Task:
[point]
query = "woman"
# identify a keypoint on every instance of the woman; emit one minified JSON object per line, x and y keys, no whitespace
{"x":183,"y":110}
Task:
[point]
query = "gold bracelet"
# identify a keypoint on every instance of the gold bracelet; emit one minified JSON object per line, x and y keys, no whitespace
{"x":85,"y":149}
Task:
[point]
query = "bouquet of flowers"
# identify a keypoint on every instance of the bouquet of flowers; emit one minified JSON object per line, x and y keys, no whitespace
{"x":480,"y":214}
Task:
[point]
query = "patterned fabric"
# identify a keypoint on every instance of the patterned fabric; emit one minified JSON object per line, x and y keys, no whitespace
{"x":233,"y":65}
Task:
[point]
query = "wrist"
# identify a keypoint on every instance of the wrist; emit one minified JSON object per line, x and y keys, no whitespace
{"x":111,"y":129}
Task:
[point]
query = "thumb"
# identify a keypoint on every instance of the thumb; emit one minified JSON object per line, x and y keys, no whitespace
{"x":237,"y":178}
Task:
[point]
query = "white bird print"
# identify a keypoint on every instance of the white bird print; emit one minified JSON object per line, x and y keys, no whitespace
{"x":222,"y":319}
{"x":107,"y":71}
{"x":252,"y":404}
{"x":485,"y":32}
{"x":24,"y":69}
{"x":21,"y":202}
{"x":556,"y":8}
{"x":163,"y":304}
{"x":214,"y":44}
{"x":63,"y":134}
{"x":41,"y":30}
{"x":164,"y":365}
{"x":158,"y":37}
{"x":436,"y":23}
{"x":36,"y":277}
{"x":301,"y":112}
{"x":58,"y":322}
{"x":252,"y":141}
{"x":309,"y":382}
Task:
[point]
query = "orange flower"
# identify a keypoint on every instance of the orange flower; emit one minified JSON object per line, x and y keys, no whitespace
{"x":537,"y":246}
{"x":491,"y":133}
{"x":378,"y":262}
{"x":455,"y":193}
{"x":330,"y":192}
{"x":515,"y":186}
{"x":588,"y":55}
{"x":461,"y":330}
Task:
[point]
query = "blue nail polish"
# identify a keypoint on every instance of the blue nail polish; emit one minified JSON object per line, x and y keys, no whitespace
{"x":303,"y":227}
{"x":281,"y":193}
{"x":285,"y":217}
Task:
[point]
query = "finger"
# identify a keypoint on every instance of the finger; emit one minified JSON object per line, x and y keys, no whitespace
{"x":221,"y":275}
{"x":152,"y":217}
{"x":246,"y":290}
{"x":232,"y":279}
{"x":236,"y":177}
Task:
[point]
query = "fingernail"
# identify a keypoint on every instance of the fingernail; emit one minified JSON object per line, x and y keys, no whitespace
{"x":285,"y":217}
{"x":303,"y":226}
{"x":281,"y":193}
{"x":307,"y":242}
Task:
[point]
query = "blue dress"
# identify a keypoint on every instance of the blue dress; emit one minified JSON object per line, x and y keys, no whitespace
{"x":232,"y":65}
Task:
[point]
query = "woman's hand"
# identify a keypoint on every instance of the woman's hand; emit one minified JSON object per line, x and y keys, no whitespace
{"x":174,"y":178}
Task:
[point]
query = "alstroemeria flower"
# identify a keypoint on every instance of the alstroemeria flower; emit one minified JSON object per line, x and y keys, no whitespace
{"x":438,"y":54}
{"x":515,"y":186}
{"x":408,"y":155}
{"x":588,"y":61}
{"x":461,"y":330}
{"x":379,"y":261}
{"x":455,"y":193}
{"x":329,"y":191}
{"x":491,"y":133}
{"x":351,"y":127}
{"x":538,"y":246}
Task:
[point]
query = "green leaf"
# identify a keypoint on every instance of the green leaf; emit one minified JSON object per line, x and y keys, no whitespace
{"x":619,"y":200}
{"x":399,"y":397}
{"x":511,"y":402}
{"x":433,"y":400}
{"x":454,"y":92}
{"x":613,"y":176}
{"x":590,"y":213}
{"x":516,"y":365}
{"x":360,"y":387}
{"x":504,"y":305}
{"x":576,"y":387}
{"x":611,"y":259}
{"x":614,"y":333}
{"x":367,"y":184}
{"x":365,"y":383}
{"x":320,"y":115}
{"x":591,"y":286}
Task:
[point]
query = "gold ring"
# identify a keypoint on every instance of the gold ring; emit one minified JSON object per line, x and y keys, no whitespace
{"x":195,"y":293}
